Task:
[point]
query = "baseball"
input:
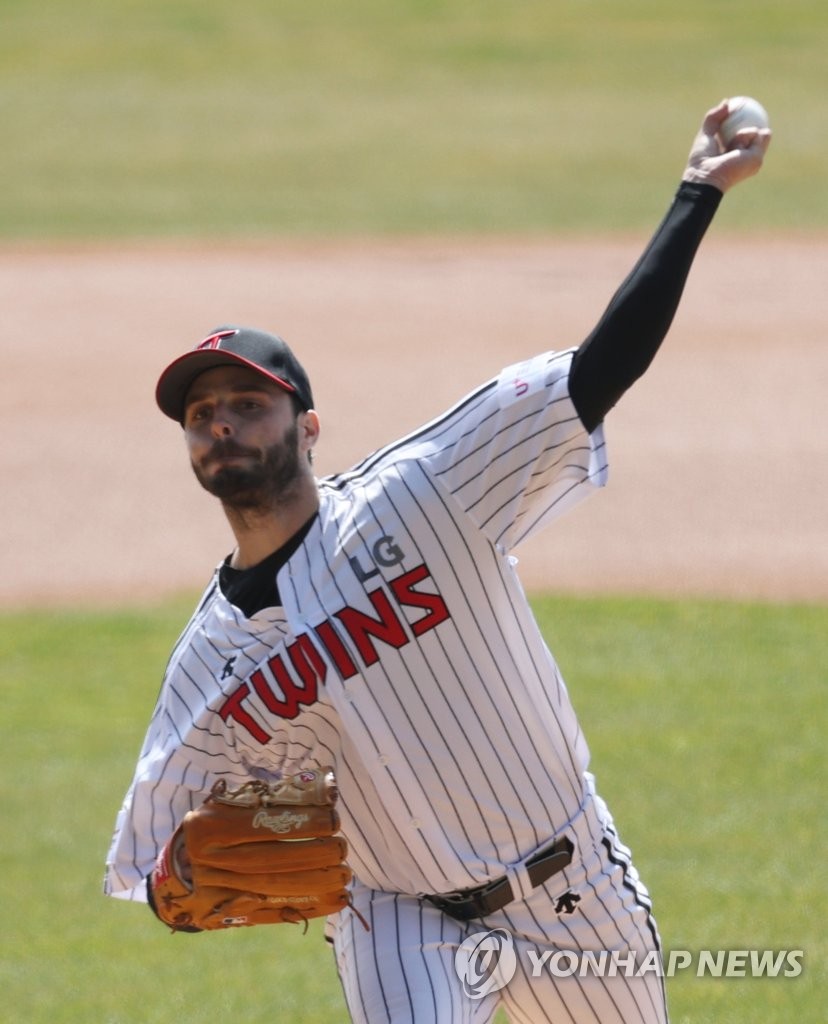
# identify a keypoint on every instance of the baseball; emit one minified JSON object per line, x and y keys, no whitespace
{"x":744,"y":112}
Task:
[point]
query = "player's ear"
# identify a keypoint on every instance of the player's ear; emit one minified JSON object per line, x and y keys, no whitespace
{"x":308,"y":425}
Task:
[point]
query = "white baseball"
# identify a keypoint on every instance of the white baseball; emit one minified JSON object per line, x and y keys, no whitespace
{"x":744,"y":112}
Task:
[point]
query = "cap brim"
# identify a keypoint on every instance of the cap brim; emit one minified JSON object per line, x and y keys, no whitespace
{"x":176,"y":380}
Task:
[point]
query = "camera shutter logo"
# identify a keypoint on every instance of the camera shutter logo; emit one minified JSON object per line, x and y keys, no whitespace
{"x":485,"y":962}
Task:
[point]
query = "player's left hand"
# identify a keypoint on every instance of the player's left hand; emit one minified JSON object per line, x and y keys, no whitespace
{"x":262,"y":854}
{"x":710,"y":163}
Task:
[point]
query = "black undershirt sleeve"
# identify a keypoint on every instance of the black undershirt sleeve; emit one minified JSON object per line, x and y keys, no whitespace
{"x":636,"y":321}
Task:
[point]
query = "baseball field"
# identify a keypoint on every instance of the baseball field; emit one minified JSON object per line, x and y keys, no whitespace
{"x":415,"y":193}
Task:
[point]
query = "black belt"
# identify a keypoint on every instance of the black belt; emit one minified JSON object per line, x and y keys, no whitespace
{"x":466,"y":904}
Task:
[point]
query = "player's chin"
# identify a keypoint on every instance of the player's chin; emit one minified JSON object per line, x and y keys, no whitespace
{"x":231,"y":482}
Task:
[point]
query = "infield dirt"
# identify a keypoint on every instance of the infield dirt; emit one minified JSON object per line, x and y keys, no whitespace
{"x":718,"y":457}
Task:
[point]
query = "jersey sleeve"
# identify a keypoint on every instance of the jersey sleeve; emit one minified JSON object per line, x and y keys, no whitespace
{"x":515,"y":454}
{"x":154,"y":805}
{"x":165,"y":787}
{"x":181,"y":758}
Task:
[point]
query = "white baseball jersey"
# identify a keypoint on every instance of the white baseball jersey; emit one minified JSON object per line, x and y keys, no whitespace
{"x":404,"y":654}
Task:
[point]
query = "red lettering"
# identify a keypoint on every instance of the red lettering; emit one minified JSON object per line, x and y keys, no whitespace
{"x":434,"y":605}
{"x":360,"y":627}
{"x":336,"y":649}
{"x":308,"y":663}
{"x":232,"y":709}
{"x":287,"y":708}
{"x":292,"y":677}
{"x":215,"y":340}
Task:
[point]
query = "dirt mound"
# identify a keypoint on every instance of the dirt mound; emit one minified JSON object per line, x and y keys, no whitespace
{"x":718,"y":481}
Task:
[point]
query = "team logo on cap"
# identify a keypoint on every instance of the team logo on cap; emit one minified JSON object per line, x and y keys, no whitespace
{"x":214,"y":341}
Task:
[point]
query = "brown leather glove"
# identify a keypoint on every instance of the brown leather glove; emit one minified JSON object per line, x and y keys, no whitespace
{"x":261,"y":854}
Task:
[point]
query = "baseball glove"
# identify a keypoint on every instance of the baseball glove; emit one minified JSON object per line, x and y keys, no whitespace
{"x":261,"y":854}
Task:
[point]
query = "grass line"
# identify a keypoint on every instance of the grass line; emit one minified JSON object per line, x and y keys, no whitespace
{"x":706,"y":724}
{"x":175,"y":118}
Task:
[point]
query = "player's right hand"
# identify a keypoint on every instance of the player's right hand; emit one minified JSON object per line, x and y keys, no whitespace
{"x":709,"y":163}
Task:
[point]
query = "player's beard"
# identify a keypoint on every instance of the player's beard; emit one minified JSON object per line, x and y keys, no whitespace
{"x":258,"y":486}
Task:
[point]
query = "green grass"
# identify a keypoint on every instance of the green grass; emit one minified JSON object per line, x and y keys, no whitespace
{"x":177,"y":117}
{"x":706,"y":722}
{"x":707,"y":727}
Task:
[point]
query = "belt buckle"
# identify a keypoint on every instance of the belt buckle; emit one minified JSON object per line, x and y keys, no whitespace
{"x":467,"y":904}
{"x":464,"y":904}
{"x":461,"y":896}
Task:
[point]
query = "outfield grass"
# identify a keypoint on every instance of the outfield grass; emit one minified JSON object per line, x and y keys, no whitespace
{"x":177,"y":117}
{"x":168,"y":117}
{"x":706,"y":722}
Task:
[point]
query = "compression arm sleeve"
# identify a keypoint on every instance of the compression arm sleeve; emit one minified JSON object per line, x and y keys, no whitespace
{"x":634,"y":324}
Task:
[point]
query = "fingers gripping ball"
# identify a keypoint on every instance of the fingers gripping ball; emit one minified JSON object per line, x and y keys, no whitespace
{"x":743,"y":112}
{"x":261,"y":854}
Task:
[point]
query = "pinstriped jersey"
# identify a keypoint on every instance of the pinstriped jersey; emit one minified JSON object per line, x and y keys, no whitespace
{"x":403,"y":653}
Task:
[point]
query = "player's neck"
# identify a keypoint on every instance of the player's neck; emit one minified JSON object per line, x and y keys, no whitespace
{"x":260,"y":532}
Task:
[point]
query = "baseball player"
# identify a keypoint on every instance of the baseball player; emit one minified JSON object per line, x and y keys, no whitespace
{"x":368,"y":632}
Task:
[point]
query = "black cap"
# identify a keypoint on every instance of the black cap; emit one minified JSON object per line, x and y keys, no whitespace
{"x":233,"y":346}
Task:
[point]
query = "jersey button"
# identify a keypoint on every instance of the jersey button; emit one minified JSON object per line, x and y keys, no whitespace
{"x":416,"y":823}
{"x":383,"y":759}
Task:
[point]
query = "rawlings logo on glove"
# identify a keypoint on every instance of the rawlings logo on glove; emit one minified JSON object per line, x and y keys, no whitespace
{"x":282,"y":823}
{"x":261,"y":854}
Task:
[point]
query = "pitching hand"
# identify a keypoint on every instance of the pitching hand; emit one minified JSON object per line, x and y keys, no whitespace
{"x":711,"y":163}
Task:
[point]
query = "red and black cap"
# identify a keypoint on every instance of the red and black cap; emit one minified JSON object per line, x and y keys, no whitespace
{"x":233,"y":346}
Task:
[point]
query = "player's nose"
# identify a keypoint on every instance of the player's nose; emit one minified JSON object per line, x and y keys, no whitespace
{"x":221,"y":424}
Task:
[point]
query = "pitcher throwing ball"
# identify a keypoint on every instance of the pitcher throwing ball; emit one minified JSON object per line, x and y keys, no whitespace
{"x":361,"y":721}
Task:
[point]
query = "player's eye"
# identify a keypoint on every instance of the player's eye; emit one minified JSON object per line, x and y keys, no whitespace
{"x":197,"y":413}
{"x":248,"y":404}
